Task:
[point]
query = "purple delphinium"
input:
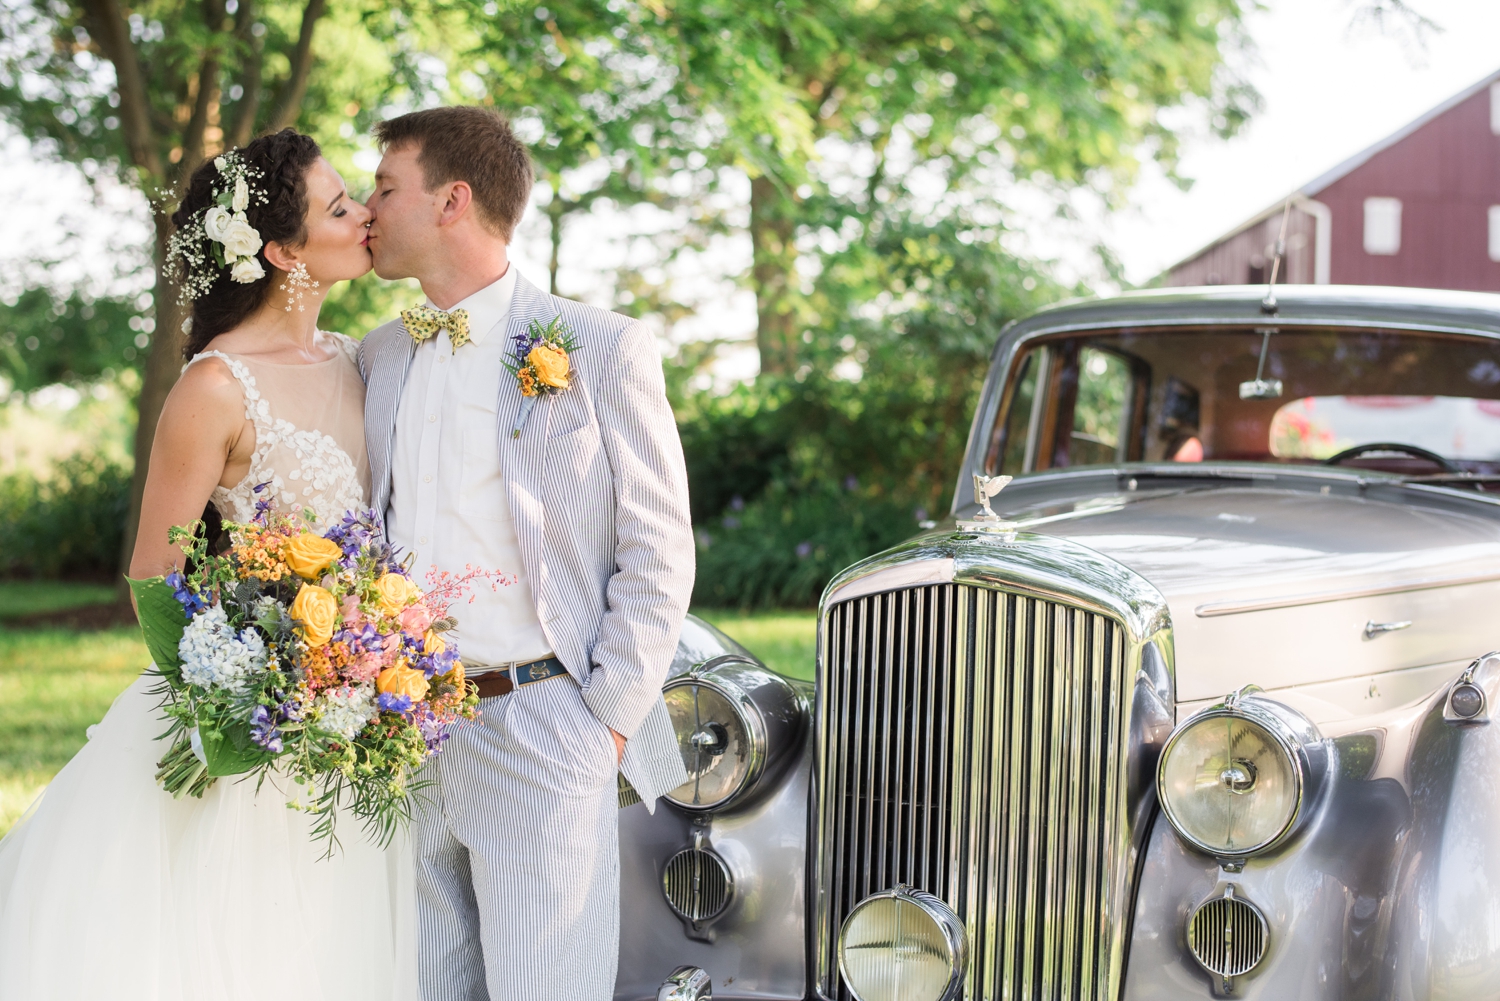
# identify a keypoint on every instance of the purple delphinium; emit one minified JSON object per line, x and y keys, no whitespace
{"x":394,"y":703}
{"x":264,"y":730}
{"x":363,"y":638}
{"x":356,"y":531}
{"x":433,"y":732}
{"x":438,"y":663}
{"x":263,"y":505}
{"x":190,"y":600}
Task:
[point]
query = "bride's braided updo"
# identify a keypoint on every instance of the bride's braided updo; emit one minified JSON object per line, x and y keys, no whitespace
{"x":280,"y":163}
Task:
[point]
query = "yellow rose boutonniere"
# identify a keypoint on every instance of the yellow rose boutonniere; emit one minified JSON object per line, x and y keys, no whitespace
{"x":309,"y":555}
{"x":393,"y":592}
{"x":551,"y":365}
{"x":398,"y":679}
{"x":540,"y":358}
{"x":317,"y":612}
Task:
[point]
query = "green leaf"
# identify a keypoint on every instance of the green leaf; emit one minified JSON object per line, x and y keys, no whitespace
{"x":230,"y":751}
{"x":162,"y":623}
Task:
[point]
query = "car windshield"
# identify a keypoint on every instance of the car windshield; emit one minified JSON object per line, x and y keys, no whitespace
{"x":1417,"y":404}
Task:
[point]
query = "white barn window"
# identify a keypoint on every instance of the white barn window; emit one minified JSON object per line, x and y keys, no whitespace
{"x":1495,"y":232}
{"x":1495,"y":108}
{"x":1382,"y":226}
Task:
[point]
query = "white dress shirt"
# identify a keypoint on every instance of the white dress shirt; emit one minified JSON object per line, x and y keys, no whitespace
{"x":448,"y":503}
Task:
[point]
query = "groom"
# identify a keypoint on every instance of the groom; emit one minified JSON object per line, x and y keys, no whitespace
{"x":584,"y":498}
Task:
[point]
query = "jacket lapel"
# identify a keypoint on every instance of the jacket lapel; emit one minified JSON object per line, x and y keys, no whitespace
{"x":388,"y":373}
{"x":522,"y":459}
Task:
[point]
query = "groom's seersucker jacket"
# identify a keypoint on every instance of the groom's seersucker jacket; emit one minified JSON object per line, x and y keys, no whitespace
{"x":599,"y":497}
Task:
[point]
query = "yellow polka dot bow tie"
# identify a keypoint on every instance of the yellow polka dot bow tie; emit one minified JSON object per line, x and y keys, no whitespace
{"x":423,"y":322}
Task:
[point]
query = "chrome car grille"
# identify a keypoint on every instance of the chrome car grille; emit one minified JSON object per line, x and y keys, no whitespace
{"x":973,"y":745}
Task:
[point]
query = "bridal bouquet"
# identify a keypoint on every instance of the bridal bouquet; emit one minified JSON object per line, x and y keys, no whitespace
{"x":311,"y":654}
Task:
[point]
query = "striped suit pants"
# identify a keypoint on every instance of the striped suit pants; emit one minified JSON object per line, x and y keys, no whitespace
{"x":517,"y":854}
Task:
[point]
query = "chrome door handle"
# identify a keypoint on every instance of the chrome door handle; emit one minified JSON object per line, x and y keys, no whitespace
{"x":1374,"y":629}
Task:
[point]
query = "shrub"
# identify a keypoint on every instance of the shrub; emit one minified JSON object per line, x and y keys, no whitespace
{"x":779,"y":550}
{"x":70,"y":525}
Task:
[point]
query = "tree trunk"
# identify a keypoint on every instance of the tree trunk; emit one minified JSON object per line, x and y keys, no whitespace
{"x":163,"y":366}
{"x":555,"y":213}
{"x":772,"y":231}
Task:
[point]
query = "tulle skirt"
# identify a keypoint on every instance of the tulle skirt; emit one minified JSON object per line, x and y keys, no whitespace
{"x":110,"y":888}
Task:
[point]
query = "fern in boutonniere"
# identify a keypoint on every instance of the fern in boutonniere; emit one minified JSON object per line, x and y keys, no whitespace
{"x":541,"y":360}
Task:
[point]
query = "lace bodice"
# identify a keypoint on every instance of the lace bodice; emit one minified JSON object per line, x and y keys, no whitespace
{"x":309,"y":437}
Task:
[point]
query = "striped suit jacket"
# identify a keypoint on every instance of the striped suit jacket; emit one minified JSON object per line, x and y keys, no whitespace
{"x":598,"y":493}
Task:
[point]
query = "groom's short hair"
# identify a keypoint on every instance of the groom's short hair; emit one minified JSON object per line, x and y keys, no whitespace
{"x":474,"y":145}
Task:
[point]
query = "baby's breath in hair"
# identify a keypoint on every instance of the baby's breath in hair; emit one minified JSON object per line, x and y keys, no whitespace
{"x":220,"y":236}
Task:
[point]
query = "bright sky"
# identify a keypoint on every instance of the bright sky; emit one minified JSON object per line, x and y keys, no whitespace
{"x":1329,"y":92}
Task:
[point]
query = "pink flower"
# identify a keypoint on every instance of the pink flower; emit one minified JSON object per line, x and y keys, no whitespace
{"x":365,"y":667}
{"x":350,"y":610}
{"x":416,"y":619}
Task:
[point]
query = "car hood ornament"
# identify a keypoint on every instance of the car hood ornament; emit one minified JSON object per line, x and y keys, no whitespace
{"x":986,"y":520}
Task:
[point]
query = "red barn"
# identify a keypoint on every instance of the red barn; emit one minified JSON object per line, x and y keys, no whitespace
{"x":1419,"y":208}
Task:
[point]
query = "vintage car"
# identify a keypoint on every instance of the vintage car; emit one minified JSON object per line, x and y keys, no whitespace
{"x":1197,"y":705}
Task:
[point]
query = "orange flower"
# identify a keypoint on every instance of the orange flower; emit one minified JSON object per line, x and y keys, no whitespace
{"x":528,"y":382}
{"x":393,"y":592}
{"x":550,"y":364}
{"x":398,"y":679}
{"x":317,"y":611}
{"x":309,"y":555}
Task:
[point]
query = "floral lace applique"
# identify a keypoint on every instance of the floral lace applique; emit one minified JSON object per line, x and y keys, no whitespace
{"x":323,"y":477}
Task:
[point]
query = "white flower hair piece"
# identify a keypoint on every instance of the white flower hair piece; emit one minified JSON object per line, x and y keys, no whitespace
{"x":221,"y":236}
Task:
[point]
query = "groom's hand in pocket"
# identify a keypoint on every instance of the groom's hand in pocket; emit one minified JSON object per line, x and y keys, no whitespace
{"x":619,"y":746}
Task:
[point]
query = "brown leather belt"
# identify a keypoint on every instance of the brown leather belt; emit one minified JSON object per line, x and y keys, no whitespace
{"x":498,"y":682}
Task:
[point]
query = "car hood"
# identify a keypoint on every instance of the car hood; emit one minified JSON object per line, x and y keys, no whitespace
{"x":1285,"y":584}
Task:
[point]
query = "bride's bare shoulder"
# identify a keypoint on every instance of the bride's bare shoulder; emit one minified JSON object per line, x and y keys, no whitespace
{"x":207,"y":389}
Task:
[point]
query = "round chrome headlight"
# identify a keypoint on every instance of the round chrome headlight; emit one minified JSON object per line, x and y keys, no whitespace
{"x":1233,"y":778}
{"x":735,"y":721}
{"x":903,"y":945}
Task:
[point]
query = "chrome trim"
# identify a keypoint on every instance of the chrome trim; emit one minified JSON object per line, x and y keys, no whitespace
{"x":1298,"y":739}
{"x":698,"y":884}
{"x":1375,"y":630}
{"x":1467,"y":689}
{"x":1228,"y":936}
{"x":769,"y":709}
{"x":686,"y":983}
{"x":941,"y":914}
{"x":1215,"y":608}
{"x":991,"y":740}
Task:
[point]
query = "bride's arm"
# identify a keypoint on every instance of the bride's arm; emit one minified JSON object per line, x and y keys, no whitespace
{"x":202,"y":439}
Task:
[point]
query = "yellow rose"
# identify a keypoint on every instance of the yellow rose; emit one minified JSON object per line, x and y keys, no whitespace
{"x":433,"y":643}
{"x":318,"y":613}
{"x":309,"y":555}
{"x":455,"y":677}
{"x":393,"y":592}
{"x":551,"y":365}
{"x":398,"y":679}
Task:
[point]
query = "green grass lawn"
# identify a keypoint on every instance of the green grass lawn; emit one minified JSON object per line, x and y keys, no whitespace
{"x":55,"y":683}
{"x":30,"y":597}
{"x":786,"y":641}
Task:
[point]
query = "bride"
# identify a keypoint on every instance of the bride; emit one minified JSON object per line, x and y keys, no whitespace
{"x":109,"y":887}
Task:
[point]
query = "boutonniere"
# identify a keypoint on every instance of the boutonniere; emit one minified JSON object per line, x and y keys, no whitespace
{"x":539,"y":359}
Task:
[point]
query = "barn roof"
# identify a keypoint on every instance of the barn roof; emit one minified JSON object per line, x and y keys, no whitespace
{"x":1313,"y":187}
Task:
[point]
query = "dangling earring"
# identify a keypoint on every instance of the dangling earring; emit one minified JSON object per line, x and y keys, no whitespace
{"x":297,"y":281}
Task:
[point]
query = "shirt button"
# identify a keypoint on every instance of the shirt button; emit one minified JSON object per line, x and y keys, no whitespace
{"x":431,"y":418}
{"x":427,"y":478}
{"x":442,"y":360}
{"x":422,"y":541}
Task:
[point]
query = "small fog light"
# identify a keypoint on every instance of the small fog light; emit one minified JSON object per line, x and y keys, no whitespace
{"x":1466,"y":700}
{"x":1228,"y":936}
{"x":903,"y":945}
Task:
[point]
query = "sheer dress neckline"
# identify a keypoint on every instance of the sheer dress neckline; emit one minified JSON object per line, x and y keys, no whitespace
{"x":298,"y":465}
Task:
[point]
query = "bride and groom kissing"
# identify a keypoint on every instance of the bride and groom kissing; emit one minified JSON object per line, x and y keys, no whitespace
{"x":506,"y":886}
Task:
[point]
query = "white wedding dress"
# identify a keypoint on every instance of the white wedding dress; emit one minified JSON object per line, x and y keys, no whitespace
{"x":111,"y":890}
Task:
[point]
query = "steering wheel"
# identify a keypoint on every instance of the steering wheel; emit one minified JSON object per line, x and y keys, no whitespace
{"x":1390,"y":446}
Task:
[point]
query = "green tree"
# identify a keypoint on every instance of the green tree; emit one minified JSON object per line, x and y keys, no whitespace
{"x":147,"y":90}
